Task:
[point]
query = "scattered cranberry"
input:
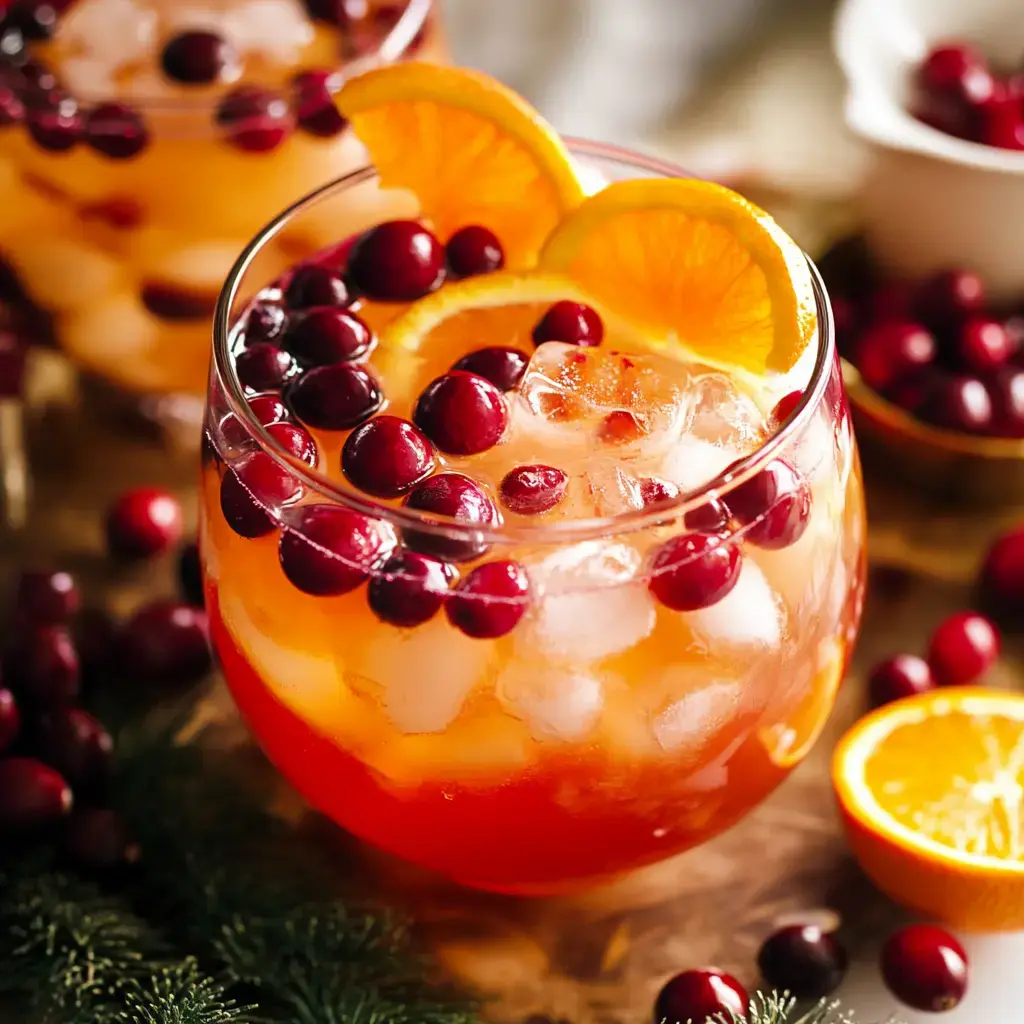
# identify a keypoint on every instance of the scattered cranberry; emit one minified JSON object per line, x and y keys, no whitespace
{"x":656,"y":491}
{"x":265,"y":322}
{"x":892,"y":351}
{"x":397,"y":261}
{"x":196,"y":57}
{"x":296,"y":441}
{"x":695,"y":570}
{"x":451,"y":496}
{"x":571,"y":322}
{"x":1006,"y":391}
{"x":252,"y":495}
{"x":699,"y":996}
{"x":804,"y":961}
{"x":711,"y":516}
{"x":774,"y":506}
{"x":190,"y":574}
{"x":42,"y":666}
{"x":46,"y":598}
{"x":925,"y":968}
{"x":490,"y":600}
{"x":254,"y":119}
{"x":960,"y":403}
{"x":315,"y":109}
{"x":463,"y":414}
{"x":903,"y":675}
{"x":98,"y":839}
{"x":10,"y":719}
{"x":78,"y":746}
{"x":31,"y":795}
{"x":502,"y":366}
{"x":983,"y":345}
{"x":409,"y":589}
{"x":263,"y":367}
{"x":949,"y":296}
{"x":1002,"y":577}
{"x":316,"y":285}
{"x":786,"y":406}
{"x":1001,"y":122}
{"x":386,"y":457}
{"x":531,"y":490}
{"x":143,"y":522}
{"x":336,"y":397}
{"x":116,"y":130}
{"x":165,"y":643}
{"x":964,"y":646}
{"x":474,"y":250}
{"x":54,"y":121}
{"x":620,"y":427}
{"x":327,"y":334}
{"x":268,"y":409}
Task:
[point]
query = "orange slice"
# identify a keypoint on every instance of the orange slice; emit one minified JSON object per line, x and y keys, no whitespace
{"x":471,"y":150}
{"x":931,"y":790}
{"x":694,"y":264}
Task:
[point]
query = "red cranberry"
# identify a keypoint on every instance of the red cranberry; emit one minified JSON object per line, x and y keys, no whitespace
{"x":571,"y":322}
{"x":912,"y":393}
{"x":531,"y":490}
{"x":695,"y":570}
{"x":196,"y":57}
{"x":619,"y":427}
{"x":296,"y":441}
{"x":265,"y":322}
{"x":267,"y":409}
{"x":983,"y":345}
{"x":54,"y":121}
{"x":954,"y":68}
{"x":316,"y":285}
{"x":252,"y":495}
{"x":315,"y":109}
{"x":116,"y":130}
{"x":925,"y":968}
{"x":327,"y":334}
{"x":336,"y":397}
{"x":10,"y":719}
{"x":1002,"y":122}
{"x":176,"y":304}
{"x":889,"y":352}
{"x":12,"y":109}
{"x":961,"y":403}
{"x":699,"y":996}
{"x":804,"y":961}
{"x":949,"y":296}
{"x":98,"y":839}
{"x":451,"y":496}
{"x":254,"y":119}
{"x":490,"y":600}
{"x":656,"y":491}
{"x":964,"y":646}
{"x":1002,"y":577}
{"x":386,"y":457}
{"x":31,"y":795}
{"x":774,"y":506}
{"x":143,"y":522}
{"x":892,"y":301}
{"x":409,"y":589}
{"x":78,"y":746}
{"x":1006,"y":391}
{"x":474,"y":250}
{"x":709,"y":517}
{"x":900,"y":676}
{"x":463,"y":414}
{"x":263,"y":367}
{"x":328,"y":550}
{"x":786,"y":406}
{"x":190,"y":574}
{"x":42,"y":665}
{"x":165,"y":643}
{"x":46,"y":598}
{"x":397,"y":261}
{"x":502,"y":366}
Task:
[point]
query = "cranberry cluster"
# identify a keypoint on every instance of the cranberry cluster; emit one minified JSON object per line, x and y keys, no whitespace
{"x":957,"y":93}
{"x":55,"y":756}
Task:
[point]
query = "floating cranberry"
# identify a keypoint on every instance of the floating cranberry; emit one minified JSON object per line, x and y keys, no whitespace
{"x":889,"y":352}
{"x":502,"y":366}
{"x":326,"y":334}
{"x":490,"y":600}
{"x":78,"y":746}
{"x":254,"y":119}
{"x":116,"y":130}
{"x":295,"y":440}
{"x":42,"y":666}
{"x":463,"y":414}
{"x":1002,"y":577}
{"x":190,"y":574}
{"x":397,"y":261}
{"x":1006,"y":391}
{"x":957,"y":402}
{"x":451,"y":496}
{"x":98,"y":839}
{"x":316,"y":285}
{"x":409,"y":589}
{"x":143,"y":522}
{"x":711,"y":516}
{"x":695,"y":570}
{"x":54,"y":121}
{"x":165,"y":643}
{"x":656,"y":491}
{"x":265,"y":322}
{"x":197,"y":57}
{"x":32,"y":795}
{"x":964,"y":647}
{"x":619,"y":427}
{"x":903,"y":675}
{"x":982,"y":345}
{"x":699,"y":996}
{"x":335,"y":397}
{"x":1001,"y":122}
{"x":12,"y":109}
{"x":386,"y":457}
{"x":531,"y":490}
{"x":263,"y":367}
{"x":46,"y":598}
{"x":474,"y":250}
{"x":803,"y":960}
{"x":267,"y":409}
{"x":774,"y":506}
{"x":571,"y":322}
{"x":786,"y":406}
{"x":315,"y":109}
{"x":10,"y":719}
{"x":925,"y":968}
{"x":252,"y":495}
{"x":948,"y":297}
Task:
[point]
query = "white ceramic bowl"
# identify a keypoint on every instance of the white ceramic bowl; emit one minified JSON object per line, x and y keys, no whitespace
{"x":931,"y":201}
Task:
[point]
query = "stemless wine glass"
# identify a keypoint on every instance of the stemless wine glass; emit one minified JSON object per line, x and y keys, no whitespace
{"x":604,"y":728}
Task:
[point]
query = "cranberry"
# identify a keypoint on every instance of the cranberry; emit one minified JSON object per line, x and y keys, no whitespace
{"x":254,"y":119}
{"x":531,"y":490}
{"x":42,"y":665}
{"x":252,"y":494}
{"x":619,"y":427}
{"x":1006,"y":391}
{"x":12,"y":109}
{"x":982,"y":345}
{"x":31,"y":795}
{"x":656,"y":491}
{"x":263,"y":367}
{"x":78,"y":746}
{"x":900,"y":676}
{"x":143,"y":522}
{"x":54,"y":121}
{"x":912,"y":393}
{"x":957,"y":402}
{"x":327,"y":334}
{"x":1001,"y":122}
{"x":474,"y":250}
{"x":177,"y":304}
{"x":925,"y":968}
{"x":454,"y":496}
{"x":699,"y":996}
{"x":386,"y":457}
{"x":268,"y":409}
{"x":197,"y":57}
{"x":786,"y":406}
{"x":954,"y":68}
{"x":328,"y":550}
{"x":949,"y":296}
{"x":46,"y":598}
{"x":889,"y":352}
{"x":316,"y":285}
{"x":336,"y":397}
{"x":1002,"y":576}
{"x":10,"y":719}
{"x":165,"y":643}
{"x":964,"y":646}
{"x":709,"y":517}
{"x":774,"y":506}
{"x":265,"y":322}
{"x":803,"y":960}
{"x":397,"y":261}
{"x":502,"y":366}
{"x":190,"y":574}
{"x":315,"y":109}
{"x":296,"y":441}
{"x":116,"y":130}
{"x":98,"y":839}
{"x":490,"y":600}
{"x":463,"y":414}
{"x":571,"y":322}
{"x":893,"y":300}
{"x":409,"y":589}
{"x":695,"y":570}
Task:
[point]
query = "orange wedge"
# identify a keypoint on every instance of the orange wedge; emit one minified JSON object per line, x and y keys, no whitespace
{"x":469,"y":148}
{"x":694,"y":264}
{"x":931,"y":790}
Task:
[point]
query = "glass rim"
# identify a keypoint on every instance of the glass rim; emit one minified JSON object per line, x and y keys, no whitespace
{"x":541,"y":532}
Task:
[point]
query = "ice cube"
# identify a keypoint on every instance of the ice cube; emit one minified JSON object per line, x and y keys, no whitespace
{"x":687,"y":724}
{"x":692,"y":462}
{"x":750,"y":615}
{"x":277,"y":29}
{"x":555,"y":703}
{"x":724,"y":414}
{"x":112,"y":33}
{"x":612,"y":488}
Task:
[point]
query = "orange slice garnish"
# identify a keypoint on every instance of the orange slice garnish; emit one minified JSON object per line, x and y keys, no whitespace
{"x":931,"y":790}
{"x":695,"y":265}
{"x":469,"y":148}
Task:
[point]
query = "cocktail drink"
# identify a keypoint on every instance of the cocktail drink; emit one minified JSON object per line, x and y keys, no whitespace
{"x":533,"y":554}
